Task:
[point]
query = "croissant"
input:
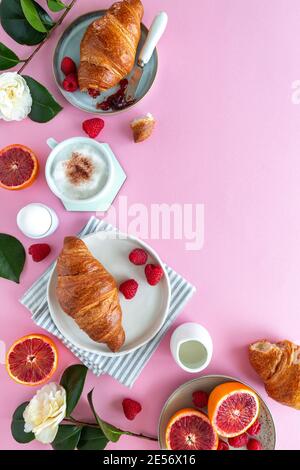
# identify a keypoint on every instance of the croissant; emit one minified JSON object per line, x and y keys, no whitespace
{"x":142,"y":127}
{"x":89,"y":294}
{"x":278,"y":365}
{"x":108,"y":48}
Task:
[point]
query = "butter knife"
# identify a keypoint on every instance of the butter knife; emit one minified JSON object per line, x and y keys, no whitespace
{"x":156,"y":31}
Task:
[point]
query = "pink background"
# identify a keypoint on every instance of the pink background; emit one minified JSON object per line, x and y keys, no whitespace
{"x":227,"y":136}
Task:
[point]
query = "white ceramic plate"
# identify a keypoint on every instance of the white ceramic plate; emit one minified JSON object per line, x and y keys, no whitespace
{"x":143,"y":316}
{"x":182,"y":398}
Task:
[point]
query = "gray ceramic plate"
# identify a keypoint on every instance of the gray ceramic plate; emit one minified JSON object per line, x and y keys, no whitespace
{"x":182,"y":398}
{"x":69,"y":45}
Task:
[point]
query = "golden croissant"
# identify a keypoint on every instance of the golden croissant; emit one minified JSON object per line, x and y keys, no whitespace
{"x":89,"y":294}
{"x":108,"y":48}
{"x":278,"y":365}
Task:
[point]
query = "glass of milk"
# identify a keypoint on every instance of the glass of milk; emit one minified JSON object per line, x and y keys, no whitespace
{"x":191,"y":346}
{"x":37,"y":220}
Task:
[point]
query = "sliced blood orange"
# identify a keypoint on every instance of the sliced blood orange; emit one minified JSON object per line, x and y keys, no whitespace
{"x":32,"y":359}
{"x":191,"y":429}
{"x":18,"y":167}
{"x":232,"y":408}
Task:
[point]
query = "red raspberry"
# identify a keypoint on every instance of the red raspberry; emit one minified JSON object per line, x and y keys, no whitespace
{"x":200,"y":399}
{"x":39,"y":251}
{"x":222,"y":445}
{"x":254,"y":429}
{"x":131,"y":408}
{"x":68,"y":66}
{"x":154,"y":273}
{"x":70,"y":83}
{"x":93,"y":127}
{"x":129,"y":288}
{"x":138,"y":256}
{"x":254,"y":444}
{"x":238,"y":441}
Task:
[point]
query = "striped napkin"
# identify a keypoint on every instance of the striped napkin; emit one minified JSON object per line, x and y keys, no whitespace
{"x":125,"y":369}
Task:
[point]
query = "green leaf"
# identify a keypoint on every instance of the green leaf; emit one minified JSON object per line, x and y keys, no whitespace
{"x":92,"y":439}
{"x":32,"y":16}
{"x":111,"y":433}
{"x":17,"y":426}
{"x":12,"y":257}
{"x":67,"y":437}
{"x":56,"y":5}
{"x":44,"y":107}
{"x":73,"y":380}
{"x":16,"y":25}
{"x":8,"y":58}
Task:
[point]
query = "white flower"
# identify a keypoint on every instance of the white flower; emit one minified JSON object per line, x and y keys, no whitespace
{"x":45,"y":411}
{"x":15,"y":97}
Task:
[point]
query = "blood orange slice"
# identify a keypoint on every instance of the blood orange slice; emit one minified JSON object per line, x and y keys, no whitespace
{"x":18,"y":167}
{"x":32,"y":359}
{"x":232,"y":408}
{"x":191,"y":429}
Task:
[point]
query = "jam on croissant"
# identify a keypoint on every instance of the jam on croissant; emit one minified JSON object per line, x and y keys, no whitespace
{"x":108,"y":48}
{"x":89,"y":294}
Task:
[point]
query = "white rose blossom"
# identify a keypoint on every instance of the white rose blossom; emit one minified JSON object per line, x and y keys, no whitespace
{"x":45,"y":411}
{"x":15,"y":97}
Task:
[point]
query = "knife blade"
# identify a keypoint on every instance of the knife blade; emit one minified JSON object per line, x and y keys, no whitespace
{"x":156,"y":31}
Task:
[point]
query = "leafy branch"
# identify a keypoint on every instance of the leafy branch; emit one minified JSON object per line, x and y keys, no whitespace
{"x":73,"y":433}
{"x":57,"y":24}
{"x":28,"y":23}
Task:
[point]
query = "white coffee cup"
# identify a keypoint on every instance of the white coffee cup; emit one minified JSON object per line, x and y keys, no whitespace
{"x":191,"y":346}
{"x":71,"y":144}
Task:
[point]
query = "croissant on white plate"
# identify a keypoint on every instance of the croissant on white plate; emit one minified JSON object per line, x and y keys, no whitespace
{"x":108,"y":48}
{"x":88,"y":293}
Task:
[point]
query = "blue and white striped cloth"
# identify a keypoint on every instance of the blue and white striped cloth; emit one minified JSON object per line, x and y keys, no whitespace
{"x":125,"y":369}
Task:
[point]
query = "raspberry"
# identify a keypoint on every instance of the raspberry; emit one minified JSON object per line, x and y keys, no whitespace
{"x":222,"y":445}
{"x":254,"y":429}
{"x":138,"y":256}
{"x":39,"y":251}
{"x":200,"y":399}
{"x":131,"y":408}
{"x":68,"y":66}
{"x":238,"y":441}
{"x":254,"y":444}
{"x":153,"y":273}
{"x":70,"y":83}
{"x":129,"y":288}
{"x":93,"y":127}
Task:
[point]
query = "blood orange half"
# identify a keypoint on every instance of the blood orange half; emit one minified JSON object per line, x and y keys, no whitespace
{"x":190,"y":429}
{"x":32,"y":360}
{"x":18,"y":167}
{"x":232,"y":408}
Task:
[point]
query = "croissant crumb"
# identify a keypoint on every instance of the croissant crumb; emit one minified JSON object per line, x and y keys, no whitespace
{"x":142,"y":127}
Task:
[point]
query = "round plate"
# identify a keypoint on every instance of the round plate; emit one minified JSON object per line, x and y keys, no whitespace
{"x":182,"y":398}
{"x":143,"y":316}
{"x":69,"y":45}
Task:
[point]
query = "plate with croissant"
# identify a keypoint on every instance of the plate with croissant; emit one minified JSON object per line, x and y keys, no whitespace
{"x":104,"y":45}
{"x":84,"y":298}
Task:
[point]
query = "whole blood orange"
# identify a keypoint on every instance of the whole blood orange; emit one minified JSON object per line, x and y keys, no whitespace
{"x":18,"y":167}
{"x":232,"y":408}
{"x":190,"y":429}
{"x":32,"y":359}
